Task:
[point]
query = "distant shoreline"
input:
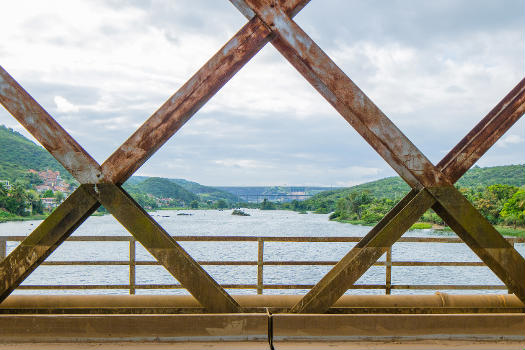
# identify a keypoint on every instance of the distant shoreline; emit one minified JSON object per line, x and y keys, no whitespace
{"x":504,"y":230}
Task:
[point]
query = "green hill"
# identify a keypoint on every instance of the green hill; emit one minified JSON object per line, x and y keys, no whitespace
{"x":201,"y":192}
{"x":18,"y":154}
{"x":394,"y":187}
{"x":206,"y":193}
{"x":513,"y":175}
{"x":162,"y":188}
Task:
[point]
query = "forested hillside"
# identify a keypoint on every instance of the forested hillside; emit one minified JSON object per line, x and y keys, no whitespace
{"x":165,"y":187}
{"x":394,"y":187}
{"x":18,"y":154}
{"x":497,"y":192}
{"x":150,"y":191}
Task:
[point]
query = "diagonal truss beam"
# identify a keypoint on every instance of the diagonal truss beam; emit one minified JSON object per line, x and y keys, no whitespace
{"x":393,"y":146}
{"x":346,"y":97}
{"x":47,"y":131}
{"x":133,"y":153}
{"x":54,"y":230}
{"x":270,"y":20}
{"x":353,"y":265}
{"x":180,"y":107}
{"x":164,"y":248}
{"x":82,"y":203}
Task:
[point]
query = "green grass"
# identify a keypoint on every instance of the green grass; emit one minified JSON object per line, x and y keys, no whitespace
{"x":420,"y":226}
{"x":356,"y":222}
{"x":5,"y":218}
{"x":504,"y":230}
{"x":510,"y":231}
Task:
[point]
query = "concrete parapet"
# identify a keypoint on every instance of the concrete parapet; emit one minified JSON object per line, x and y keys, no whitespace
{"x":381,"y":327}
{"x":249,"y":327}
{"x":204,"y":327}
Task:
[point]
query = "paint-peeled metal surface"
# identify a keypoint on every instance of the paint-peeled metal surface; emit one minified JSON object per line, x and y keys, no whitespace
{"x":269,"y":20}
{"x":485,"y":134}
{"x":333,"y":84}
{"x":482,"y":238}
{"x":29,"y":254}
{"x":164,"y":248}
{"x":47,"y":131}
{"x":175,"y":112}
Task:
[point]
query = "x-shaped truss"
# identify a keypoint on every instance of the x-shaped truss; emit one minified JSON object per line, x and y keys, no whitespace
{"x":269,"y":21}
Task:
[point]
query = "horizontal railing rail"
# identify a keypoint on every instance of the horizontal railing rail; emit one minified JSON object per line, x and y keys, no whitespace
{"x":260,"y":286}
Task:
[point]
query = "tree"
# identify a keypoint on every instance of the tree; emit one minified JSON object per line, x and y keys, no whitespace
{"x":514,"y":209}
{"x":221,"y":204}
{"x":3,"y":196}
{"x":47,"y":194}
{"x":267,"y":205}
{"x":194,"y":204}
{"x":36,"y":203}
{"x":17,"y":201}
{"x":59,"y":197}
{"x":490,"y":201}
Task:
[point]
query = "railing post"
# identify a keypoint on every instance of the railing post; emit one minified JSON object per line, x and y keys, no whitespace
{"x":3,"y":249}
{"x":388,"y":263}
{"x":132,"y":265}
{"x":513,"y":246}
{"x":260,"y":264}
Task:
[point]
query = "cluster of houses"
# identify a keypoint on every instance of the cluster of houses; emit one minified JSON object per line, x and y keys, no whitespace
{"x":51,"y":180}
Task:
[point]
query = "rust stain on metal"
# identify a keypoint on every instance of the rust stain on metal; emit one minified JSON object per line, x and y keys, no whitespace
{"x":485,"y":134}
{"x":164,"y":248}
{"x":352,"y":103}
{"x":47,"y":131}
{"x":169,"y":118}
{"x":34,"y":249}
{"x":185,"y":102}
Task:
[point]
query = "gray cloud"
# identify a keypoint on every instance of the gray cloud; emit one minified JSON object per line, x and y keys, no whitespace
{"x":435,"y":68}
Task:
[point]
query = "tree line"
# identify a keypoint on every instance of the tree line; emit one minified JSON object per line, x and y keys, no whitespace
{"x":499,"y":204}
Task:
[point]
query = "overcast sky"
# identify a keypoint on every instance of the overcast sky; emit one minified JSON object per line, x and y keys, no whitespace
{"x":102,"y":67}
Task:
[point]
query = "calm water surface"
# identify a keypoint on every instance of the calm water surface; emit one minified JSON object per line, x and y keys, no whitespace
{"x":260,"y":223}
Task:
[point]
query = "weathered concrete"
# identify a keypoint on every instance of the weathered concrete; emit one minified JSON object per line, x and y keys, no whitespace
{"x":209,"y":327}
{"x":243,"y":327}
{"x":378,"y":327}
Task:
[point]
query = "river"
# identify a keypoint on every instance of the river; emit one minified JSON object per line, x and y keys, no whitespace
{"x":259,"y":223}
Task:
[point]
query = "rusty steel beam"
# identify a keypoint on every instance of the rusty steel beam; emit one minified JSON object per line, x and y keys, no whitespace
{"x":497,"y":253}
{"x":47,"y":131}
{"x":157,"y":129}
{"x":346,"y":97}
{"x":485,"y":134}
{"x":368,"y":120}
{"x":365,"y":253}
{"x":35,"y":248}
{"x":164,"y":248}
{"x":498,"y":121}
{"x":70,"y":214}
{"x":272,"y":19}
{"x":153,"y":133}
{"x":179,"y":108}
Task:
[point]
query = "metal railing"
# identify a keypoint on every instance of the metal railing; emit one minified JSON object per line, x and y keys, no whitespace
{"x":260,"y":263}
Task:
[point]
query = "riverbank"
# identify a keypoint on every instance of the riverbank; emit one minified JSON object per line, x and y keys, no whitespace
{"x":6,"y":217}
{"x":504,"y":230}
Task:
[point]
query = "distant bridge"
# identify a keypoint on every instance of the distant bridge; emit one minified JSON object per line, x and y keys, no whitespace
{"x":273,"y":197}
